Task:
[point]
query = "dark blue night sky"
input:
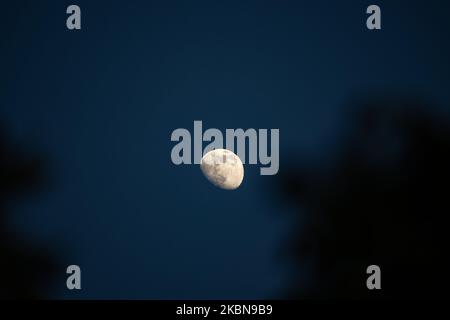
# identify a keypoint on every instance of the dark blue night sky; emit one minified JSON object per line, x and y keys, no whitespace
{"x":99,"y":105}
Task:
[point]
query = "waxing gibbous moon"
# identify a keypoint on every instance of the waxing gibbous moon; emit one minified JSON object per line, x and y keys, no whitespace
{"x":223,"y":168}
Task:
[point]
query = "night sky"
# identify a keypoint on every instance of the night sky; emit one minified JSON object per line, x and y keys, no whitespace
{"x":98,"y":107}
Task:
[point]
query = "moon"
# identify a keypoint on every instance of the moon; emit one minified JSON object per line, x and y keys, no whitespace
{"x":223,"y":169}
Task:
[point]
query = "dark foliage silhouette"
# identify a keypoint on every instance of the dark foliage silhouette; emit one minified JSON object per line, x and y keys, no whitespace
{"x":383,"y":200}
{"x":25,"y":270}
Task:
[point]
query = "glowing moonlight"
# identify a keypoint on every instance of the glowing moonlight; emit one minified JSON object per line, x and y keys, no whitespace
{"x":223,"y":168}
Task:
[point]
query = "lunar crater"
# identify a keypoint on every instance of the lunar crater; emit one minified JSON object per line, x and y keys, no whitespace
{"x":223,"y":168}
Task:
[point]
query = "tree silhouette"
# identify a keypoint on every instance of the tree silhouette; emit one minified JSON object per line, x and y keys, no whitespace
{"x":383,"y":201}
{"x":25,"y":270}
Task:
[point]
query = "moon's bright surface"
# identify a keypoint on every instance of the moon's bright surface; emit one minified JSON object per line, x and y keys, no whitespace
{"x":223,"y":168}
